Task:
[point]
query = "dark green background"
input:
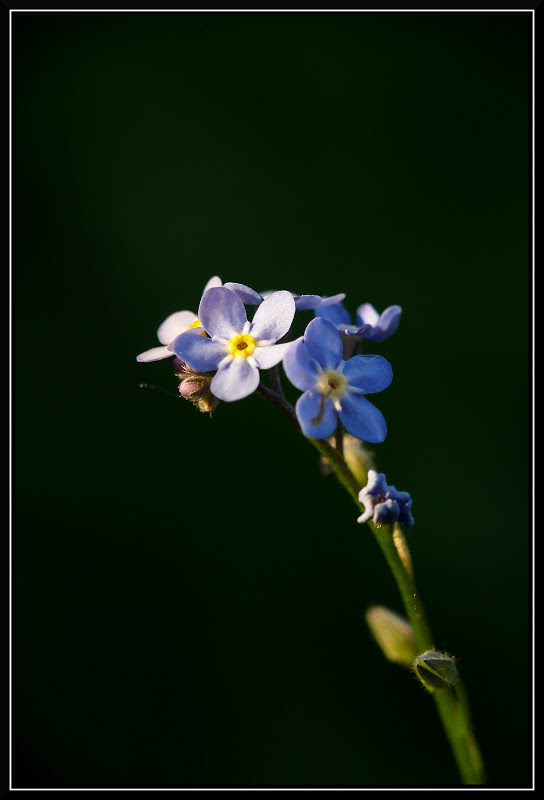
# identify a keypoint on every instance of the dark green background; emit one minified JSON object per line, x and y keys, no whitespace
{"x":189,"y":593}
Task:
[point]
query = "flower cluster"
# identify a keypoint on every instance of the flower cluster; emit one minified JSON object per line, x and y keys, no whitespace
{"x":235,"y":348}
{"x":219,"y":353}
{"x":384,"y":503}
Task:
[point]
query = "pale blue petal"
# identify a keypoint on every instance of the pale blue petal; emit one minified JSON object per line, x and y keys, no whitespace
{"x":368,"y":514}
{"x":213,"y":283}
{"x":324,"y":343}
{"x":304,"y":302}
{"x":174,"y":325}
{"x":335,"y":298}
{"x":270,"y":355}
{"x":235,"y":380}
{"x":355,"y":330}
{"x":362,"y":419}
{"x":384,"y":327}
{"x":155,"y":354}
{"x":376,"y":485}
{"x":248,"y":296}
{"x":389,"y":321}
{"x":368,"y":373}
{"x":198,"y":351}
{"x":274,"y":316}
{"x":300,"y":368}
{"x":367,"y":315}
{"x":222,"y":313}
{"x":317,"y":417}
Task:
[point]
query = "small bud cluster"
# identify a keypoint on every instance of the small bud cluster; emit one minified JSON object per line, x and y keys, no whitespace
{"x":384,"y":503}
{"x":195,"y":386}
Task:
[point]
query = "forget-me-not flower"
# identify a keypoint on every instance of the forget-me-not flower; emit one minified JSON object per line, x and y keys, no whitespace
{"x":181,"y":321}
{"x":384,"y":503}
{"x":369,"y":324}
{"x":235,"y":347}
{"x":333,"y":387}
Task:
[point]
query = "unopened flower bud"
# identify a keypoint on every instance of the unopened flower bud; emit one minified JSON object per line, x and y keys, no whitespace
{"x":384,"y":503}
{"x":435,"y":670}
{"x":393,"y":634}
{"x":195,"y":386}
{"x":187,"y":388}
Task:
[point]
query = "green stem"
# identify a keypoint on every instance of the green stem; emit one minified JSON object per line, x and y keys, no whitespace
{"x":452,"y":705}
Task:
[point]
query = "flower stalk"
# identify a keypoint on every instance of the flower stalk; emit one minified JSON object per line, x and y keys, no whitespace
{"x":218,"y":355}
{"x":452,"y":703}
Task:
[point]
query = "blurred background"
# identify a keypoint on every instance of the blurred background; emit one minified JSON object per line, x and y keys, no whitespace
{"x":189,"y":593}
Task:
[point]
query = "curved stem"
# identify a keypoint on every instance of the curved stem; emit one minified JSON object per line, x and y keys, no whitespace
{"x":275,"y":380}
{"x":279,"y":401}
{"x":452,"y":705}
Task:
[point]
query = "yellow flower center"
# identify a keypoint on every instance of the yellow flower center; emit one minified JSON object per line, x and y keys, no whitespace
{"x":332,"y":384}
{"x":242,"y":345}
{"x":197,"y":324}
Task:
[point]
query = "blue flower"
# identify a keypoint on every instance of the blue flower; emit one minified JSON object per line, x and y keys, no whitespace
{"x":181,"y":321}
{"x":334,"y":388}
{"x":368,"y":323}
{"x":384,"y":503}
{"x":236,"y":348}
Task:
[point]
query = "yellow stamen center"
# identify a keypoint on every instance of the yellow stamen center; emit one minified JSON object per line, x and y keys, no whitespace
{"x":332,"y":384}
{"x":197,"y":324}
{"x":242,"y":345}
